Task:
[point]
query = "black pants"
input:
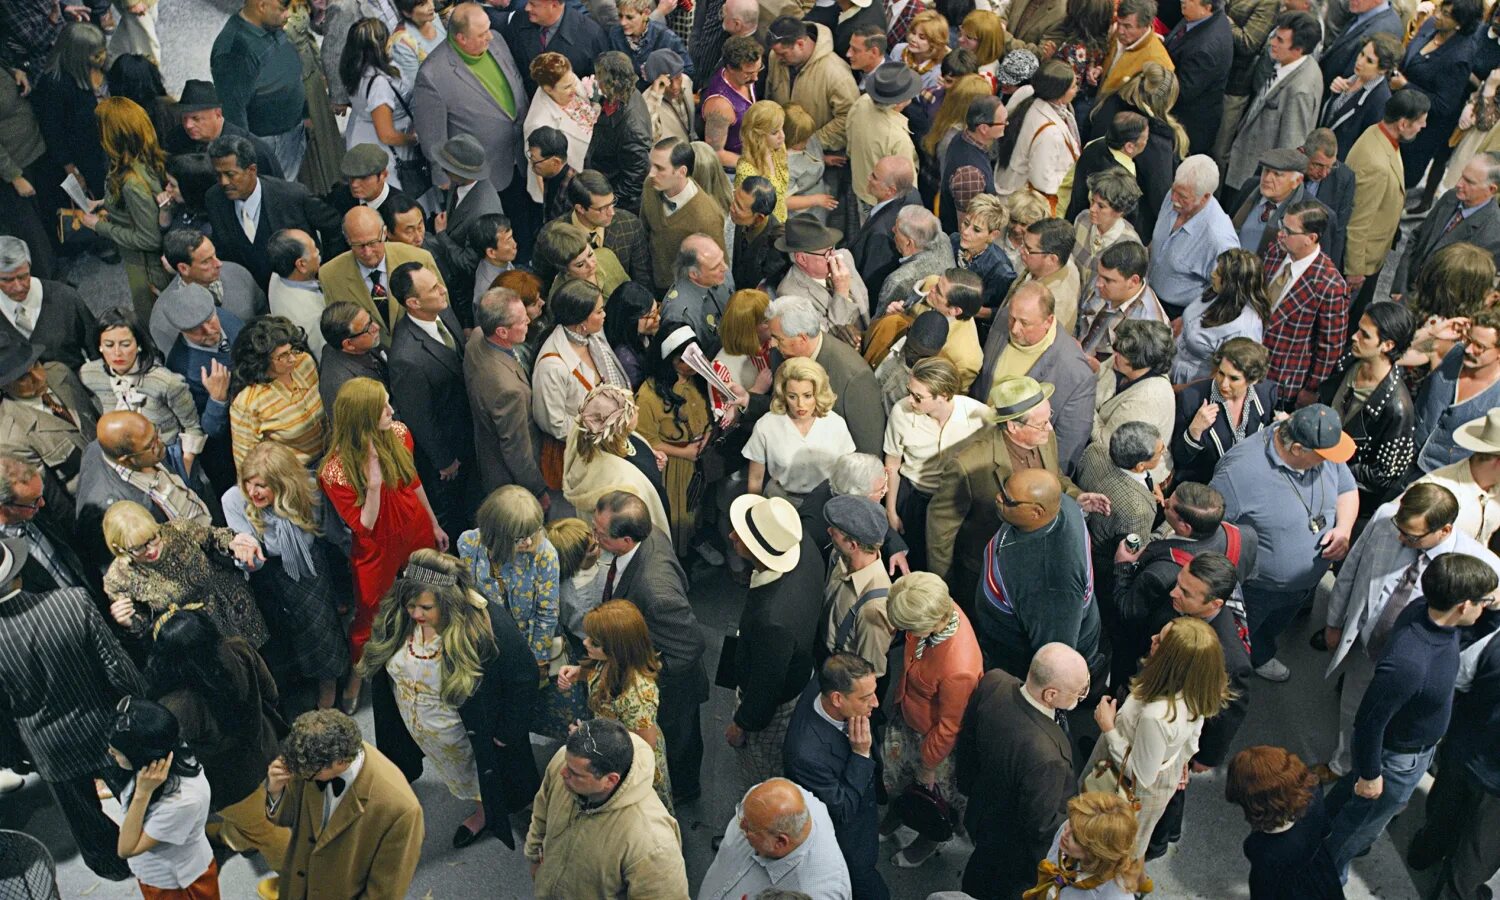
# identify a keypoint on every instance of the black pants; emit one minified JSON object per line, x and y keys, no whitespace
{"x":525,"y":216}
{"x":677,"y":717}
{"x":912,"y":504}
{"x":997,"y":869}
{"x":1462,"y":828}
{"x":22,"y":217}
{"x":96,"y":834}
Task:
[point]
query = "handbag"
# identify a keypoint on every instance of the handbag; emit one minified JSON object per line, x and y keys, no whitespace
{"x":1108,"y":777}
{"x":925,"y":811}
{"x":415,"y":173}
{"x":724,"y":674}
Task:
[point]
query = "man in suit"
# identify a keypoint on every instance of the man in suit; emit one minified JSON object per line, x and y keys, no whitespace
{"x":1015,"y":763}
{"x":1124,"y":140}
{"x":62,"y":673}
{"x":351,"y":349}
{"x":1286,"y":108}
{"x":756,"y":231}
{"x":644,"y":570}
{"x":427,"y":391}
{"x":195,"y":259}
{"x":1466,"y":213}
{"x":48,"y":314}
{"x":1351,"y":111}
{"x":774,"y":654}
{"x":892,"y":182}
{"x":551,"y":26}
{"x":356,"y":826}
{"x":406,"y":223}
{"x":962,"y":518}
{"x":1331,"y":184}
{"x":51,"y":563}
{"x":1264,"y":199}
{"x":1310,"y":316}
{"x":470,"y":195}
{"x":295,"y":293}
{"x":470,"y":86}
{"x":1119,"y":293}
{"x":1379,"y":191}
{"x":362,"y":274}
{"x":828,"y":751}
{"x":1121,"y":472}
{"x":1371,"y":17}
{"x":1202,"y":49}
{"x":500,"y":396}
{"x":797,"y":330}
{"x":1032,"y":345}
{"x":245,"y":209}
{"x":47,"y":418}
{"x":593,"y":208}
{"x":922,"y":250}
{"x":1251,"y":23}
{"x":1133,"y":44}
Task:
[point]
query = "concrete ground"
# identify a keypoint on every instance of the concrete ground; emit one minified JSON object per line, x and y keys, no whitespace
{"x":1207,"y":864}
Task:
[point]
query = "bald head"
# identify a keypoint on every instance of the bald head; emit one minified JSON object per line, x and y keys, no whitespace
{"x":776,"y":820}
{"x":892,"y":177}
{"x":361,"y":219}
{"x":365,"y":231}
{"x":1058,"y":677}
{"x":1037,"y":486}
{"x":741,"y":16}
{"x":463,"y":21}
{"x":127,"y":437}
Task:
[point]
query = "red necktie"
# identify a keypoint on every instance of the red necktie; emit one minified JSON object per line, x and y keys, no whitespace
{"x":1266,"y":209}
{"x":543,"y":37}
{"x":56,"y":407}
{"x":609,"y":581}
{"x":1458,"y":216}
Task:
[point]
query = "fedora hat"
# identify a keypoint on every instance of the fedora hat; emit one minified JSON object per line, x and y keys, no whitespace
{"x":463,"y":156}
{"x":805,"y":234}
{"x":16,"y":358}
{"x":770,"y":528}
{"x":1015,"y":395}
{"x":1482,"y":435}
{"x":13,"y":554}
{"x":198,"y":95}
{"x":892,"y":83}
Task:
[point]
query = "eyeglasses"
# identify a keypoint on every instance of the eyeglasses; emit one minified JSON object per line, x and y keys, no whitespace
{"x":1287,"y":232}
{"x":140,"y":549}
{"x":284,"y":355}
{"x":368,"y":329}
{"x":1405,"y":535}
{"x":155,"y":445}
{"x":123,"y":719}
{"x":1010,"y":502}
{"x":605,"y":208}
{"x":365,"y":245}
{"x":1044,"y":425}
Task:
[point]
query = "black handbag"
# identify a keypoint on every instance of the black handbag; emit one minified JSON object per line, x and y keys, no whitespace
{"x":724,"y":674}
{"x":415,"y":173}
{"x":924,"y":810}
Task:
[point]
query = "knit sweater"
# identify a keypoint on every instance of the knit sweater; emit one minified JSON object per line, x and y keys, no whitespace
{"x":1409,"y":702}
{"x":259,"y":77}
{"x":487,"y":71}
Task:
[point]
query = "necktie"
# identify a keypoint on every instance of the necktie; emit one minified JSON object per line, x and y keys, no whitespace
{"x":56,"y":407}
{"x":1458,"y":216}
{"x":1398,"y":601}
{"x":1098,"y":329}
{"x":544,"y":36}
{"x":609,"y":581}
{"x":247,"y":222}
{"x":446,"y":335}
{"x":336,"y":782}
{"x":1060,"y":716}
{"x":23,"y":321}
{"x":377,"y":293}
{"x":1278,"y":284}
{"x":1266,"y":209}
{"x":1150,"y":483}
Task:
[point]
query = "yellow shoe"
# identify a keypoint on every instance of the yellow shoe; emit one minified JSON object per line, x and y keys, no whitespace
{"x":269,"y":887}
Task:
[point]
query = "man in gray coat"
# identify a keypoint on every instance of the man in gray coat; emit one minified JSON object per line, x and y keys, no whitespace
{"x":500,"y":396}
{"x":1285,"y":110}
{"x":923,"y":250}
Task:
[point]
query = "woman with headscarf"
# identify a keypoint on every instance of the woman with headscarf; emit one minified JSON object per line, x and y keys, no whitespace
{"x":604,"y":454}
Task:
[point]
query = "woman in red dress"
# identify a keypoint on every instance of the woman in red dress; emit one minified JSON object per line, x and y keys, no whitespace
{"x":371,"y":482}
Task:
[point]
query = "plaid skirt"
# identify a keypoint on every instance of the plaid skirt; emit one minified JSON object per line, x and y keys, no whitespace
{"x":302,"y":616}
{"x":760,"y":758}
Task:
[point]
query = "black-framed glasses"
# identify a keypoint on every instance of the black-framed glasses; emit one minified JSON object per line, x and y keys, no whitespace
{"x":123,"y":719}
{"x":1405,"y":535}
{"x":1009,"y":502}
{"x":154,"y":445}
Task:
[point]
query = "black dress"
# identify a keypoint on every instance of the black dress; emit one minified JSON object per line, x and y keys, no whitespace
{"x":1294,"y":864}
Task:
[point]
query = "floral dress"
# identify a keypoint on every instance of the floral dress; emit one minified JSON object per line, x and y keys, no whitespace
{"x":635,"y":708}
{"x":433,"y":723}
{"x":779,"y":176}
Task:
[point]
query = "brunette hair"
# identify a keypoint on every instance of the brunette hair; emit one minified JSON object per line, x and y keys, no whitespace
{"x":1271,"y":784}
{"x":618,"y":629}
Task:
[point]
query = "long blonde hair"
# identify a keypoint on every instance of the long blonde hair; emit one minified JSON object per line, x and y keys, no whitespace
{"x":463,"y":624}
{"x":129,"y":140}
{"x":762,"y":119}
{"x":1153,"y":91}
{"x":292,"y":487}
{"x":955,"y":108}
{"x":356,"y":425}
{"x":1188,"y":661}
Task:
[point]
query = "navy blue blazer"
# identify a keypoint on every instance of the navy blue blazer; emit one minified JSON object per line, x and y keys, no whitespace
{"x":1355,"y":116}
{"x":817,"y":756}
{"x":578,"y":37}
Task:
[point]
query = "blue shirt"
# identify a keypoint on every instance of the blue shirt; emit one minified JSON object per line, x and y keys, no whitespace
{"x":1262,"y":491}
{"x":1438,"y":417}
{"x":188,"y":360}
{"x":1183,"y":259}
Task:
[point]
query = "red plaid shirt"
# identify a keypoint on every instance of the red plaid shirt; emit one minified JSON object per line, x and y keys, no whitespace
{"x":897,"y":32}
{"x":1307,"y":330}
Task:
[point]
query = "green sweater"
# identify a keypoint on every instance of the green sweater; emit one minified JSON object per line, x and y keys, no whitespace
{"x":487,"y":70}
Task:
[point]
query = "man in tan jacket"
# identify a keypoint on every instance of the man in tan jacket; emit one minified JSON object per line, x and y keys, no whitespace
{"x":822,"y":85}
{"x":1379,"y":192}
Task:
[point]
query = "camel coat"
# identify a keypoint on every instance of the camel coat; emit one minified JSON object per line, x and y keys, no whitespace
{"x":1379,"y":198}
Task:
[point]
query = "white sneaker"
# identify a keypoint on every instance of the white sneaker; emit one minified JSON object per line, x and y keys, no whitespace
{"x":1273,"y":669}
{"x":10,"y":781}
{"x":708,"y":554}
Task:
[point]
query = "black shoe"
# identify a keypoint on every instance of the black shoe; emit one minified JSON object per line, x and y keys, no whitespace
{"x":463,"y":837}
{"x":1318,"y":641}
{"x":1420,"y":856}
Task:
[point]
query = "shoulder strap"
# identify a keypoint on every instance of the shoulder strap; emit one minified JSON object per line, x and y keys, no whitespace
{"x":1232,"y":543}
{"x":846,"y":627}
{"x":575,"y":373}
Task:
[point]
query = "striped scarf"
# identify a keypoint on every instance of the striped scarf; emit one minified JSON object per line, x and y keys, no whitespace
{"x":937,"y":637}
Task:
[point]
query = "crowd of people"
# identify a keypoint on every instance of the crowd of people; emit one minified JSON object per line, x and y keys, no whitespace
{"x":1030,"y":366}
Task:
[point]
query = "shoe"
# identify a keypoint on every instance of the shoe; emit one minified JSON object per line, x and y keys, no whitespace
{"x":1420,"y":855}
{"x":1325,"y":774}
{"x":10,"y":781}
{"x":915,"y":854}
{"x":269,"y":888}
{"x":463,"y":837}
{"x":1318,"y":641}
{"x":1273,"y":670}
{"x":708,"y":554}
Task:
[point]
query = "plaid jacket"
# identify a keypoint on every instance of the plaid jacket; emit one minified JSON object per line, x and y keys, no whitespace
{"x":1307,"y":330}
{"x":897,"y":31}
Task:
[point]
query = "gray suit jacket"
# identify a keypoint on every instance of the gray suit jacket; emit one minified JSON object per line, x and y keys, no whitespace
{"x":505,"y":436}
{"x":448,"y":100}
{"x":481,"y":200}
{"x":933,"y":259}
{"x":853,"y":382}
{"x":1063,"y":366}
{"x":1132,"y":507}
{"x":1278,"y":118}
{"x":1481,"y":228}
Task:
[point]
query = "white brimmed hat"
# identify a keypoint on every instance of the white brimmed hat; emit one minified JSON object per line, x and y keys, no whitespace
{"x":1482,"y":435}
{"x":770,"y":528}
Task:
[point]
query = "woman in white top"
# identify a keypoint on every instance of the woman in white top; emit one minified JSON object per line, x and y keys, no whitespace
{"x":1047,"y":144}
{"x":378,"y":112}
{"x":1154,"y":733}
{"x":165,"y":803}
{"x":1113,"y":195}
{"x":573,"y":360}
{"x":799,"y":440}
{"x":1093,"y":855}
{"x":420,"y":33}
{"x":934,"y":417}
{"x":561,"y":101}
{"x":1235,"y":305}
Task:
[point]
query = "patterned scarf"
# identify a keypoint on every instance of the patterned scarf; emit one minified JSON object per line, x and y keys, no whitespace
{"x":937,"y":637}
{"x":1052,"y":877}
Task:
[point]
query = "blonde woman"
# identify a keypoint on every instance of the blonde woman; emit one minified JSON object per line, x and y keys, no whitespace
{"x":948,"y":121}
{"x":512,"y":563}
{"x":604,"y":454}
{"x":764,"y":153}
{"x":983,"y":34}
{"x":277,"y":502}
{"x":1151,"y":736}
{"x":924,"y":48}
{"x":1024,"y":207}
{"x":621,"y":672}
{"x":804,"y":162}
{"x":454,"y":682}
{"x":746,"y":340}
{"x":580,"y":580}
{"x":797,"y":443}
{"x":164,"y":566}
{"x":1093,"y":855}
{"x":979,"y":247}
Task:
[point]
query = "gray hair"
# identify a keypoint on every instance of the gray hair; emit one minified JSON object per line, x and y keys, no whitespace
{"x":919,"y":224}
{"x":13,"y":253}
{"x":1133,"y":443}
{"x":1200,"y":173}
{"x":497,"y":309}
{"x":1146,"y":344}
{"x":688,"y":252}
{"x":853,"y":474}
{"x":799,"y":317}
{"x":903,"y":177}
{"x":13,"y":471}
{"x":1491,"y":157}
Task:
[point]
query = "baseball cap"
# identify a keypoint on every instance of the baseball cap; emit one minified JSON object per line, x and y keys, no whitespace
{"x":1318,"y":428}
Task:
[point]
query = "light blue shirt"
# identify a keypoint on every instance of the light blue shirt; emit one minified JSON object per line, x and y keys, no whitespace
{"x":1366,"y":16}
{"x":816,"y":868}
{"x":1183,"y":259}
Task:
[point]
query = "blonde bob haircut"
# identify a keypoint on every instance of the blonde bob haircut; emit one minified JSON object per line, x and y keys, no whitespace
{"x":740,"y":324}
{"x":988,"y":33}
{"x":1189,"y":661}
{"x":128,"y":524}
{"x":988,"y":212}
{"x":919,"y":604}
{"x":508,"y":515}
{"x":761,"y":120}
{"x":291,"y":486}
{"x":800,"y":368}
{"x":1104,"y":825}
{"x":1025,"y":208}
{"x":572,"y":538}
{"x":799,"y":125}
{"x":937,"y":375}
{"x":463,"y":624}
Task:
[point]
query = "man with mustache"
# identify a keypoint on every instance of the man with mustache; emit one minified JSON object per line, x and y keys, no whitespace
{"x":1464,"y":386}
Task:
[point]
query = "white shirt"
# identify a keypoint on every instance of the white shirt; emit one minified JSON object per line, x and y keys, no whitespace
{"x":32,"y":306}
{"x":1478,"y":509}
{"x":364,"y":273}
{"x":431,"y":327}
{"x":823,"y":714}
{"x":182,"y":852}
{"x":799,"y":463}
{"x":919,"y":441}
{"x":1283,"y":70}
{"x":385,"y":192}
{"x":249,"y":207}
{"x":331,"y":800}
{"x":302,"y":302}
{"x":462,"y":191}
{"x":1037,"y":704}
{"x":681,"y":198}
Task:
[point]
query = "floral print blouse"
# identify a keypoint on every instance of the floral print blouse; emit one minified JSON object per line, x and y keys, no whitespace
{"x":527,"y":585}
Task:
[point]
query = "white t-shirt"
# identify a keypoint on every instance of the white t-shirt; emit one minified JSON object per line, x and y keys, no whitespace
{"x":799,"y":463}
{"x":917,"y":439}
{"x":182,"y":852}
{"x":375,"y":91}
